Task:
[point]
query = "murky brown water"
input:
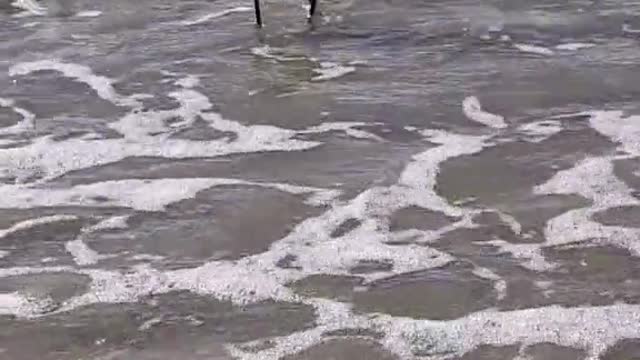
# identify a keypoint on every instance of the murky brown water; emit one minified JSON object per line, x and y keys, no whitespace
{"x":452,"y":179}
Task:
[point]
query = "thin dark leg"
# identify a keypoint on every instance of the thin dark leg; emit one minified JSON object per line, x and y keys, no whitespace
{"x":312,"y":9}
{"x":256,"y":6}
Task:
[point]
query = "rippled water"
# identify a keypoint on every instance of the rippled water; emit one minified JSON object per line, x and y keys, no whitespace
{"x":447,"y":179}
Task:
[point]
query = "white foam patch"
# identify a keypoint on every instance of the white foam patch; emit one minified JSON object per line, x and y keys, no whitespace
{"x":27,"y":224}
{"x":151,"y":195}
{"x":8,"y":142}
{"x":505,"y":38}
{"x":629,"y":30}
{"x":349,"y":128}
{"x":30,"y":7}
{"x":473,"y":111}
{"x":145,"y":195}
{"x":540,"y":130}
{"x":144,"y":133}
{"x":31,"y":24}
{"x":337,"y":256}
{"x":530,"y":254}
{"x":269,"y":52}
{"x":101,"y":85}
{"x":499,"y":284}
{"x":146,"y":257}
{"x":619,"y":128}
{"x":11,"y":303}
{"x":4,"y":253}
{"x":15,"y":271}
{"x":592,"y":179}
{"x":147,"y":325}
{"x":545,"y":286}
{"x":330,"y":316}
{"x":316,"y":196}
{"x":116,"y":287}
{"x":513,"y":223}
{"x":189,"y":81}
{"x":217,"y":15}
{"x":27,"y":123}
{"x":575,"y":46}
{"x":421,"y":174}
{"x":242,"y":283}
{"x":111,"y":223}
{"x":592,"y":329}
{"x":82,"y":254}
{"x":315,"y":250}
{"x":534,"y":49}
{"x":428,"y":236}
{"x":22,"y":305}
{"x":89,"y":13}
{"x":257,"y":277}
{"x":330,"y":70}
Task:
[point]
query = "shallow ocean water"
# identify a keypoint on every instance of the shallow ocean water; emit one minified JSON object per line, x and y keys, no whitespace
{"x":449,"y":179}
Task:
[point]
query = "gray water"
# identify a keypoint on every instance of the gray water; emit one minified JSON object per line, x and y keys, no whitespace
{"x":448,"y":179}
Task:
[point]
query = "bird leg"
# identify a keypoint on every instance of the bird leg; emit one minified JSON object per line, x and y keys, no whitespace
{"x":312,"y":8}
{"x":256,"y":6}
